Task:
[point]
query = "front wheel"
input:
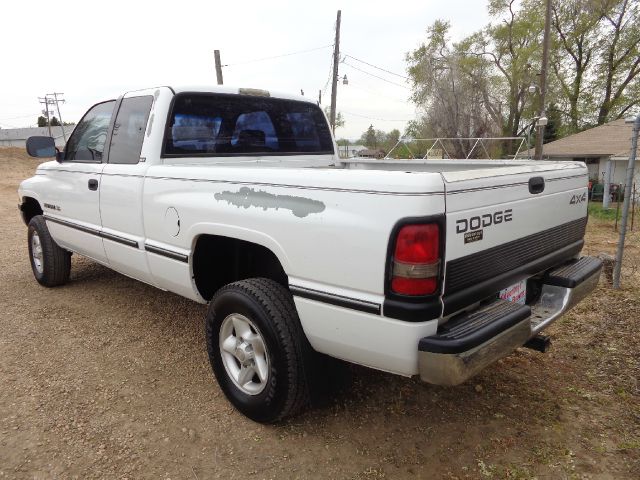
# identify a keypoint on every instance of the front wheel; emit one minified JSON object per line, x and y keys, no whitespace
{"x":51,"y":264}
{"x":257,"y":349}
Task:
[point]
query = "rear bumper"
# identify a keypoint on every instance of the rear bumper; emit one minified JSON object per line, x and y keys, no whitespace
{"x":494,"y":331}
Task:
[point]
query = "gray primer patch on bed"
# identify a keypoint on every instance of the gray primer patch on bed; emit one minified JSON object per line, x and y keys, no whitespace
{"x":248,"y":197}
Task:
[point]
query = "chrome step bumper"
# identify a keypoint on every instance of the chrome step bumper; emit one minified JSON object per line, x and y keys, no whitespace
{"x":466,"y":345}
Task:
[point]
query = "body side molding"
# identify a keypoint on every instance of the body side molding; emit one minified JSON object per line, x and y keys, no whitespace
{"x":181,"y":257}
{"x":94,"y":231}
{"x":338,"y":300}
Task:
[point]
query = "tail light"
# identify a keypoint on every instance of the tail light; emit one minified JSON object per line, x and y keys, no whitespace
{"x":416,"y":260}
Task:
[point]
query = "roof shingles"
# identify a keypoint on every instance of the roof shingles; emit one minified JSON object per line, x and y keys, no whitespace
{"x":610,"y":139}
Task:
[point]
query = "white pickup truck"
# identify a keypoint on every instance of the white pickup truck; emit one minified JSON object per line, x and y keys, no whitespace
{"x":237,"y":198}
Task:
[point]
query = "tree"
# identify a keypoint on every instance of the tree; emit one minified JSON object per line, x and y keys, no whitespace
{"x":455,"y":90}
{"x":554,"y":124}
{"x":480,"y":86}
{"x":512,"y":45}
{"x":596,"y":59}
{"x":391,"y":139}
{"x":339,"y":117}
{"x":54,"y":122}
{"x":574,"y":46}
{"x":369,"y":138}
{"x":379,"y":139}
{"x":620,"y":59}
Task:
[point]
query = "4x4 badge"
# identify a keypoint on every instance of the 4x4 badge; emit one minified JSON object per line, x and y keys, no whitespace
{"x":578,"y":199}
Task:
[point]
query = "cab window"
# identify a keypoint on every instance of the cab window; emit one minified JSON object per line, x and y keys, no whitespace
{"x":129,"y":128}
{"x":233,"y":124}
{"x":87,"y":141}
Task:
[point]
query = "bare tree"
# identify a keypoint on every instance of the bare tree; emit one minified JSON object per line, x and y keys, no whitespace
{"x":453,"y":91}
{"x":482,"y":83}
{"x":513,"y":46}
{"x":619,"y":59}
{"x":576,"y":24}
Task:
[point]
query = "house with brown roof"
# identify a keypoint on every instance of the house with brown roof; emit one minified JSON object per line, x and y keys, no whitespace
{"x":603,"y":148}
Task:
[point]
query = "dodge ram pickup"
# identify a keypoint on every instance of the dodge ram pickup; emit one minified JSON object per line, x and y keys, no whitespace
{"x":238,"y":198}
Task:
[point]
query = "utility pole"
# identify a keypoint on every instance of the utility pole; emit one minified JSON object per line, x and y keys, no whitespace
{"x":543,"y":79}
{"x":61,"y":100}
{"x":334,"y":83}
{"x":216,"y":54}
{"x":606,"y":196}
{"x":617,"y":267}
{"x":319,"y":97}
{"x":46,"y":102}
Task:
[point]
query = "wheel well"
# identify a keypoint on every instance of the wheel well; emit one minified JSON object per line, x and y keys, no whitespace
{"x":218,"y":261}
{"x":30,"y":208}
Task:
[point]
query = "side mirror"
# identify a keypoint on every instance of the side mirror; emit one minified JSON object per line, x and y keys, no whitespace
{"x":41,"y":147}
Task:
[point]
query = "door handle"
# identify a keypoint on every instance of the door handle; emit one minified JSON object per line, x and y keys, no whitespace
{"x":93,"y":184}
{"x":536,"y":185}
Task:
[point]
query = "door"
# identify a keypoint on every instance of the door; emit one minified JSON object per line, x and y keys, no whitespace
{"x":121,"y":189}
{"x":72,"y":203}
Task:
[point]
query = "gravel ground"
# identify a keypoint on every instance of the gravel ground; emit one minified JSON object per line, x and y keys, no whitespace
{"x":108,"y":378}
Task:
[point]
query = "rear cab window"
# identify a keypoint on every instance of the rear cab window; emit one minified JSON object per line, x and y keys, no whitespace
{"x":239,"y":125}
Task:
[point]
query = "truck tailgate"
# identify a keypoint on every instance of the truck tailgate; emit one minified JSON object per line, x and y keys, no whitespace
{"x":507,"y":223}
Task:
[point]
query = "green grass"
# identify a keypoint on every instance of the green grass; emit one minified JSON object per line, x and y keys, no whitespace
{"x":596,"y":211}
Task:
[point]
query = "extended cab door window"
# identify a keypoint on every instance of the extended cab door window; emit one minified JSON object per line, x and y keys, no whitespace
{"x":86,"y":143}
{"x":129,"y":128}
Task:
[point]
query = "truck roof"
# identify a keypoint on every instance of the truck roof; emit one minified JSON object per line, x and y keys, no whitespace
{"x":238,"y":90}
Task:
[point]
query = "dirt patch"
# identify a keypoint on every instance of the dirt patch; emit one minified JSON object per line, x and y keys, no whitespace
{"x":108,"y":378}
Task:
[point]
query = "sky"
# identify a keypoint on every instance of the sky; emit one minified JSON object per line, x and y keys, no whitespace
{"x":94,"y":51}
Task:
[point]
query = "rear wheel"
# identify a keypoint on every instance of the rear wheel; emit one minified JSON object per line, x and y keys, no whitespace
{"x":51,"y":264}
{"x":257,"y":349}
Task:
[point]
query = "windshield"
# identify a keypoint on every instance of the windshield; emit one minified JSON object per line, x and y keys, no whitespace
{"x":227,"y":125}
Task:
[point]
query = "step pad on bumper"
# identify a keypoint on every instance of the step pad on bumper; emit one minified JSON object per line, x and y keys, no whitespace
{"x":574,"y":273}
{"x":468,"y":343}
{"x":470,"y":330}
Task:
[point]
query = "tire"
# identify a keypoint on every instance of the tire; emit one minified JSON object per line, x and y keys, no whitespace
{"x":51,"y":264}
{"x":259,"y":309}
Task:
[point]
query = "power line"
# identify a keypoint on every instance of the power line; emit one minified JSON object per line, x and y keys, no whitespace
{"x":376,"y":76}
{"x":334,"y":78}
{"x":378,"y":119}
{"x":57,"y":102}
{"x":377,"y":94}
{"x":375,"y":66}
{"x":324,"y":89}
{"x":18,"y":117}
{"x":46,"y":101}
{"x":277,"y":56}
